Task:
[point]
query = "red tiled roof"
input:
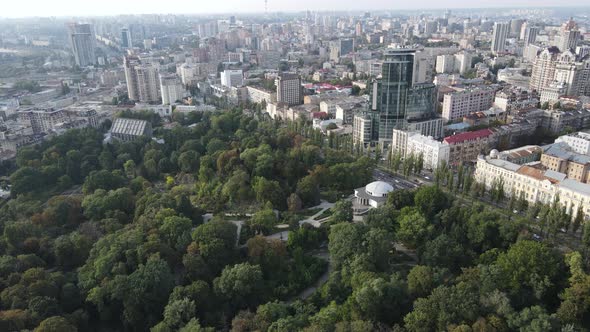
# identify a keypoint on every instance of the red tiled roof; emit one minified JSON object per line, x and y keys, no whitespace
{"x":468,"y":136}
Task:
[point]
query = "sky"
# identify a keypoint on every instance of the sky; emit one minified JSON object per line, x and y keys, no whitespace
{"x":27,"y":8}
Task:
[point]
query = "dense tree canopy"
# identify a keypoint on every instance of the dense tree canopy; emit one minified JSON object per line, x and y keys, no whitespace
{"x":181,"y":234}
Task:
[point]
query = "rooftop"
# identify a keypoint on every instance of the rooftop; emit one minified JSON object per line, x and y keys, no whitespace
{"x":468,"y":136}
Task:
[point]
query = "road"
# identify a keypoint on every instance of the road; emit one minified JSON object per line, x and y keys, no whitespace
{"x":396,"y":181}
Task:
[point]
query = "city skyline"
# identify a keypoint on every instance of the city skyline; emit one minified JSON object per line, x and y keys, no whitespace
{"x":64,"y":8}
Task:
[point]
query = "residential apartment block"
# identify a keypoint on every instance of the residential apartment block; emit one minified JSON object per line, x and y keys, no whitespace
{"x":458,"y":104}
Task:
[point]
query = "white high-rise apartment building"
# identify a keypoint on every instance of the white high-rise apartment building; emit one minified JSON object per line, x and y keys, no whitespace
{"x":142,"y":80}
{"x":171,"y":88}
{"x":232,"y":78}
{"x":453,"y":63}
{"x":81,"y":38}
{"x":552,"y":68}
{"x":544,"y":69}
{"x":362,"y":130}
{"x":501,"y":31}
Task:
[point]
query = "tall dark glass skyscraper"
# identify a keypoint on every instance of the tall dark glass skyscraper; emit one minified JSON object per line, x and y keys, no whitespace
{"x":395,"y":101}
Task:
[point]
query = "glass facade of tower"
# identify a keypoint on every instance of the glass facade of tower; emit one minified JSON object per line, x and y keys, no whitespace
{"x":421,"y":102}
{"x":392,"y":90}
{"x":394,"y":100}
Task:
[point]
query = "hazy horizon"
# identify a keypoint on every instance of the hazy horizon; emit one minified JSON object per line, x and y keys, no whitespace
{"x":65,"y":8}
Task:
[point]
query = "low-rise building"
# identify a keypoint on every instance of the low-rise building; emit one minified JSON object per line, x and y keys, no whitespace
{"x":579,"y":142}
{"x":130,"y":129}
{"x":374,"y":195}
{"x":466,"y":147}
{"x":432,"y":152}
{"x":558,"y":157}
{"x":534,"y":183}
{"x":523,"y":155}
{"x":259,"y":95}
{"x":516,"y":99}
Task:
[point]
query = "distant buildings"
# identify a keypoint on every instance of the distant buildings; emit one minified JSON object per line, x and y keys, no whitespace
{"x":232,"y":78}
{"x":569,"y":35}
{"x":259,"y":95}
{"x":126,"y":41}
{"x":544,"y":68}
{"x":499,"y":37}
{"x":530,"y":35}
{"x":362,"y":127}
{"x":453,"y":63}
{"x":130,"y":129}
{"x":81,"y":37}
{"x":515,"y":99}
{"x":560,"y":74}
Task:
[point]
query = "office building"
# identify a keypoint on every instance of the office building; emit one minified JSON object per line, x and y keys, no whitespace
{"x":516,"y":26}
{"x":461,"y":103}
{"x":126,"y":41}
{"x":289,"y":89}
{"x":395,"y":100}
{"x":569,"y":35}
{"x":171,"y":88}
{"x":232,"y":78}
{"x":530,"y":35}
{"x":346,"y":46}
{"x":142,"y":80}
{"x":499,"y":37}
{"x":81,"y":37}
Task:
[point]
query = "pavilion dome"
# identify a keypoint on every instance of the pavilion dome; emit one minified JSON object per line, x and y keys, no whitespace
{"x":379,"y":189}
